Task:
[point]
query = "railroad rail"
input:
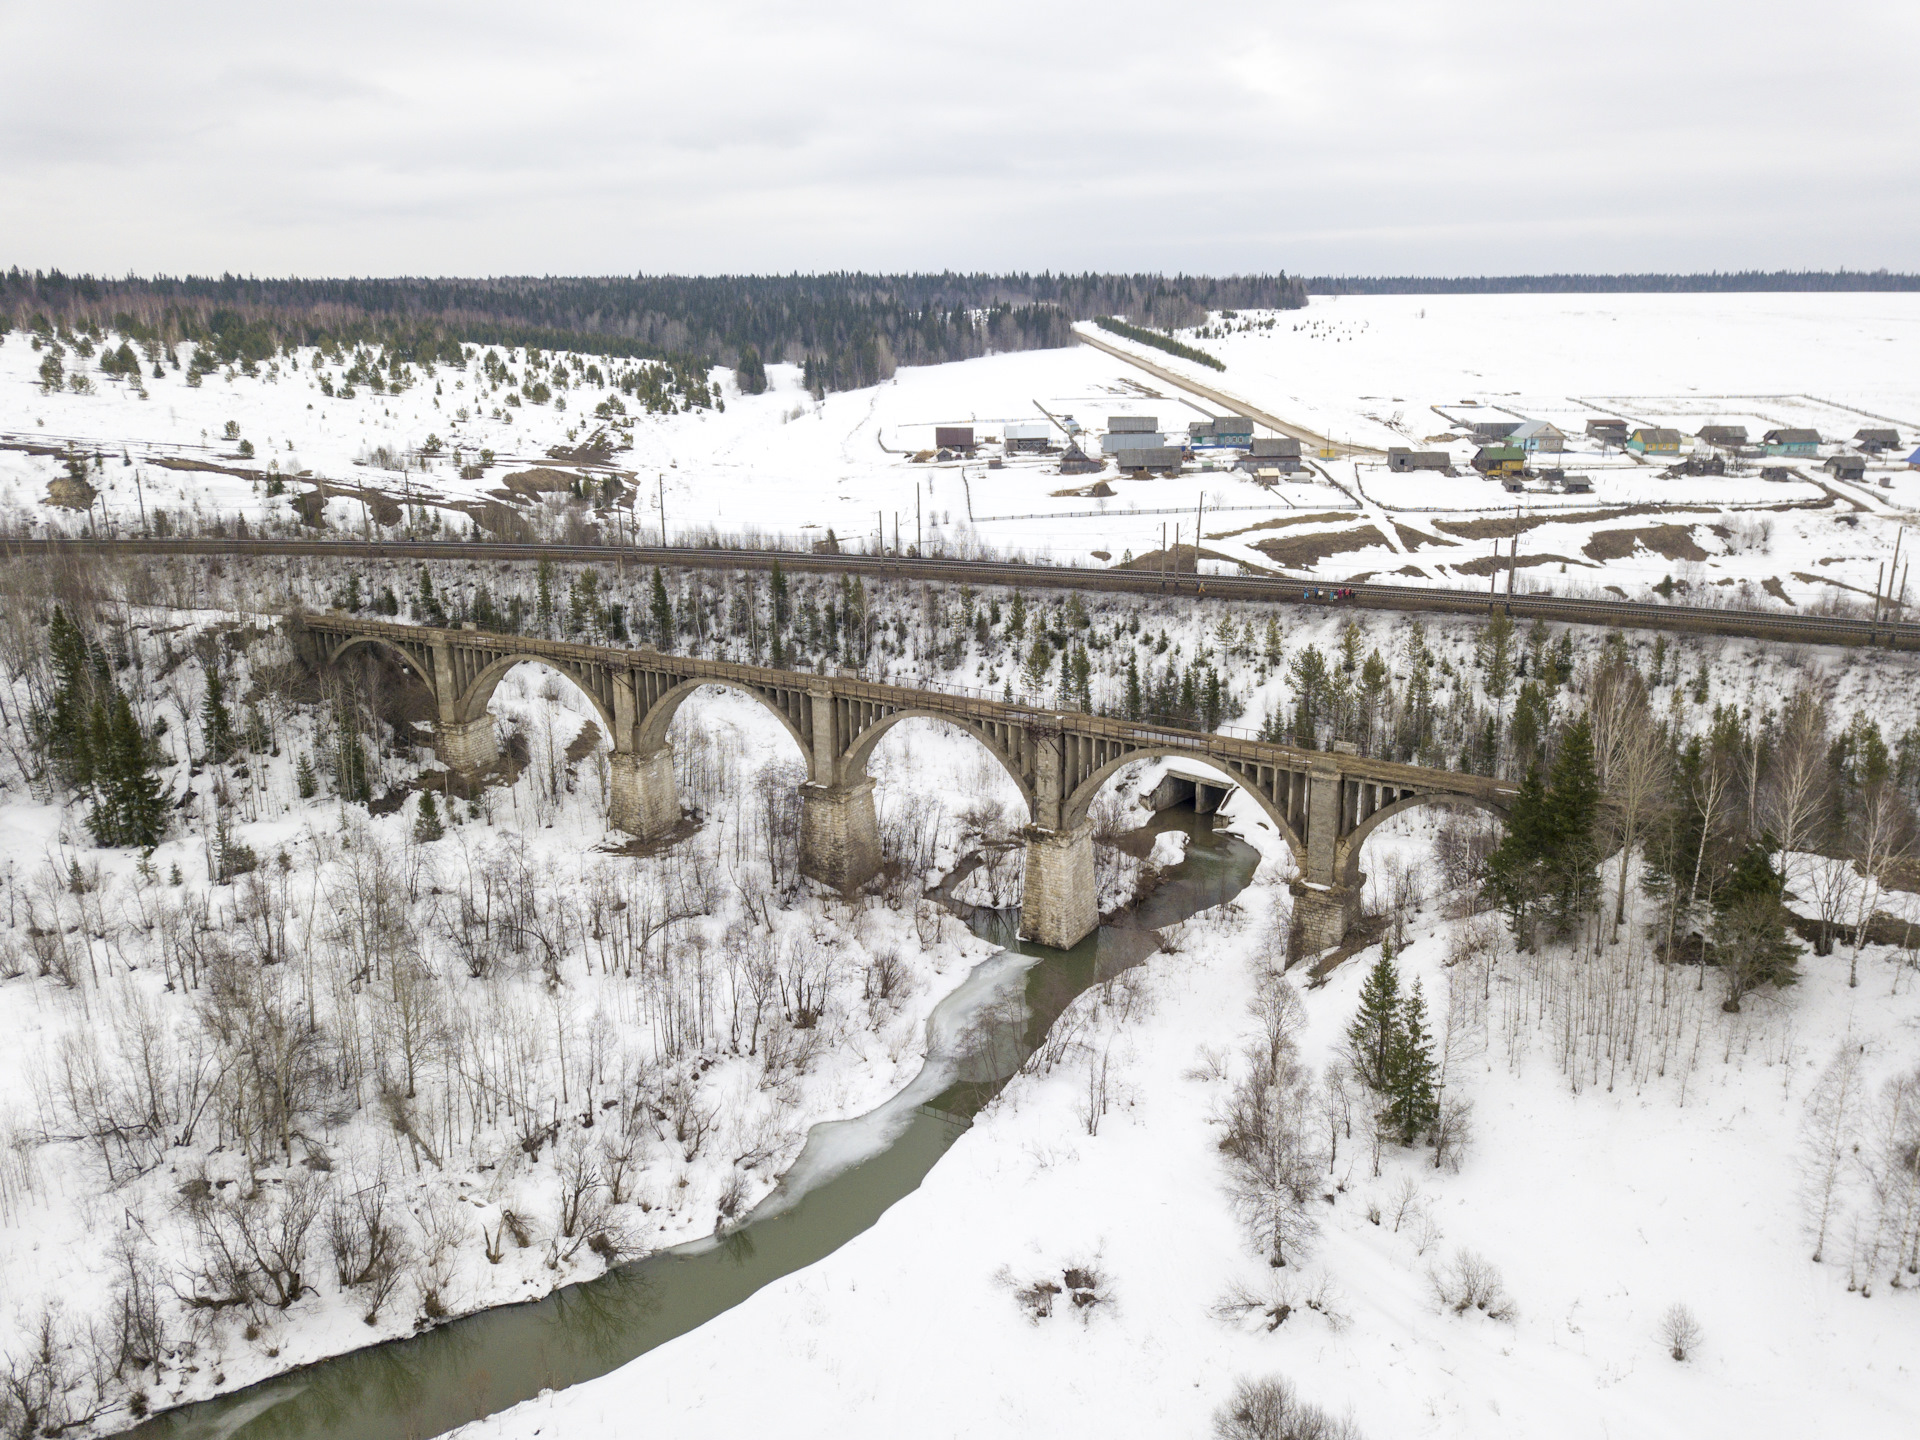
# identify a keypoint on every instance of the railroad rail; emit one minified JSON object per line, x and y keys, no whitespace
{"x":1437,"y":599}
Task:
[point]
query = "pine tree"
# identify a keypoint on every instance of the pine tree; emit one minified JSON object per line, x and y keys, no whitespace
{"x":353,"y":592}
{"x":1134,"y":707}
{"x":1413,"y":1103}
{"x":1372,"y":1036}
{"x":543,"y":605}
{"x":303,"y":777}
{"x":426,"y":823}
{"x":216,"y":720}
{"x":1275,"y":651}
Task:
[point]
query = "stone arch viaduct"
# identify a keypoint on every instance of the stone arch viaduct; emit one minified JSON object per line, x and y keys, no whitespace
{"x":1324,"y":804}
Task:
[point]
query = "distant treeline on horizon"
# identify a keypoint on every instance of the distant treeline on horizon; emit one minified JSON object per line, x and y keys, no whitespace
{"x":1717,"y":280}
{"x":845,"y":329}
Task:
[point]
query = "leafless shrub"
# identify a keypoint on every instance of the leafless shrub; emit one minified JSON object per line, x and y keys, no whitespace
{"x":1085,"y":1285}
{"x":1680,"y":1331}
{"x":252,"y":1244}
{"x":1281,"y":1296}
{"x":1269,"y":1409}
{"x":1472,"y":1282}
{"x":369,"y":1252}
{"x":1452,"y":1133}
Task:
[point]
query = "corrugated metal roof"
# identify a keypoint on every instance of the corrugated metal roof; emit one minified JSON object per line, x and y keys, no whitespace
{"x":1132,"y":424}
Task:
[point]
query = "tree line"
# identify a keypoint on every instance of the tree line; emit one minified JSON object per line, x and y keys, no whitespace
{"x":845,"y":329}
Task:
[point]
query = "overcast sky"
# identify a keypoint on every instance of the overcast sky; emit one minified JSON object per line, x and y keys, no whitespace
{"x":1476,"y":137}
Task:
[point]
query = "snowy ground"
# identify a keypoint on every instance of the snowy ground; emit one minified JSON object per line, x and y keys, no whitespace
{"x":1370,"y":371}
{"x":1602,"y":1198}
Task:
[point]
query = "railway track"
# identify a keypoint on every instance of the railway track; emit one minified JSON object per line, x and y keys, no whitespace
{"x":1616,"y":614}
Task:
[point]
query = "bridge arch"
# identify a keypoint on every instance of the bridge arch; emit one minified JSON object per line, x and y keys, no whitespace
{"x":650,"y":729}
{"x":472,"y":703}
{"x":853,"y":764}
{"x":1077,"y":804}
{"x":1347,"y":851}
{"x":380,"y":642}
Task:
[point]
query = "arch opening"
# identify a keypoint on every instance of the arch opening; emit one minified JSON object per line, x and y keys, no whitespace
{"x":478,"y":698}
{"x":945,"y":797}
{"x":1078,"y":805}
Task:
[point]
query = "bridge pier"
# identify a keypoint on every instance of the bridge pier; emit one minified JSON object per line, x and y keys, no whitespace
{"x":839,"y":834}
{"x":1059,"y":904}
{"x":1321,"y":915}
{"x":465,"y":745}
{"x":642,"y":798}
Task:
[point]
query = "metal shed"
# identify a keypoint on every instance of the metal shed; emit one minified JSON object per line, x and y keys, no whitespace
{"x":1028,"y":435}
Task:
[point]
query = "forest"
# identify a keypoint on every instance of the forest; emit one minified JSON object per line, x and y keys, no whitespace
{"x":846,"y":330}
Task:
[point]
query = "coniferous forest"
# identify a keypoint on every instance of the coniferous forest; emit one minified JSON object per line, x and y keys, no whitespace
{"x":846,"y":329}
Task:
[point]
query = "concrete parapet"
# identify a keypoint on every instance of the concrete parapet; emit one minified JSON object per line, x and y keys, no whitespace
{"x":642,"y":798}
{"x":1059,"y":905}
{"x":465,"y":745}
{"x":1321,"y":915}
{"x":839,"y":834}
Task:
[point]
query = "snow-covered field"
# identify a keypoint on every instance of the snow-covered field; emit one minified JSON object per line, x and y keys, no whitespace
{"x":1604,"y":1191}
{"x":1366,"y":371}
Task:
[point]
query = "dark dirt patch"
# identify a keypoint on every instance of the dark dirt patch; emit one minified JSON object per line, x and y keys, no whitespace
{"x":540,"y":480}
{"x":1488,"y":564}
{"x":1175,"y":560}
{"x":1507,"y":526}
{"x":174,"y":462}
{"x":1320,"y":518}
{"x":1671,"y":542}
{"x":1774,"y":588}
{"x":1302,"y":552}
{"x":1414,"y":539}
{"x":583,"y":743}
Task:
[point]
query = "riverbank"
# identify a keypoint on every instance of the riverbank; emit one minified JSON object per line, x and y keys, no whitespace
{"x":1600,"y":1204}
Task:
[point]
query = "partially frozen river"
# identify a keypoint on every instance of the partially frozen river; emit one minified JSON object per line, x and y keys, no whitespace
{"x":848,"y":1174}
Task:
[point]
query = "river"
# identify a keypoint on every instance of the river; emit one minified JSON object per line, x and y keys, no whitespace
{"x":847,"y":1175}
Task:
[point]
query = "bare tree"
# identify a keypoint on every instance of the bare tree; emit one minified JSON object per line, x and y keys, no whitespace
{"x":1827,"y":1139}
{"x":1680,"y":1331}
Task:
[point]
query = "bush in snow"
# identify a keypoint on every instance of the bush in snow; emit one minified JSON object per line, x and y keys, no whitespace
{"x":1472,"y":1282}
{"x":1680,"y":1331}
{"x":1269,"y":1409}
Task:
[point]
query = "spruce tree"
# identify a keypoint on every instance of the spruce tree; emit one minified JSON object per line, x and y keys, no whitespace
{"x":303,"y":777}
{"x":1573,"y":802}
{"x":426,"y":823}
{"x":216,"y":720}
{"x":1413,"y":1102}
{"x":1372,"y":1036}
{"x":1134,"y":707}
{"x":662,"y":612}
{"x":782,"y":604}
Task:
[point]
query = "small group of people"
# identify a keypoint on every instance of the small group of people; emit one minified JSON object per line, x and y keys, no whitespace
{"x":1343,"y":593}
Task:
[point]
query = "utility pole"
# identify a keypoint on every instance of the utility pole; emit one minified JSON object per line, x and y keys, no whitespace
{"x":140,"y":495}
{"x":919,"y":544}
{"x":1198,"y":514}
{"x":663,"y":509}
{"x":880,"y":532}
